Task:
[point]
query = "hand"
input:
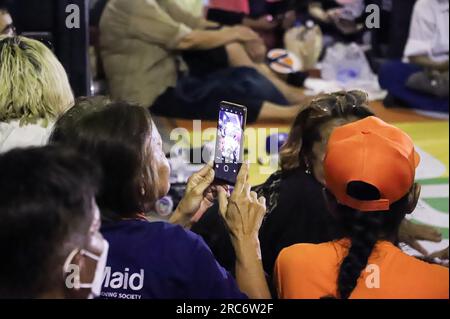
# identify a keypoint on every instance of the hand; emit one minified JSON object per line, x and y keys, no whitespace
{"x":443,"y":254}
{"x":410,"y":233}
{"x":245,"y":34}
{"x":243,"y":214}
{"x":199,"y":196}
{"x":244,"y":211}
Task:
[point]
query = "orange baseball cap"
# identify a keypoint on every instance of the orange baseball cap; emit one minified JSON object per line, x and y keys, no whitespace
{"x":373,"y":152}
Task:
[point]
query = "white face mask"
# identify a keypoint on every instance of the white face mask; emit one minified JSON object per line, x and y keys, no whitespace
{"x":96,"y":285}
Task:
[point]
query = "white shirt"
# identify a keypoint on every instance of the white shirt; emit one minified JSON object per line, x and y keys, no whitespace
{"x":429,"y":32}
{"x":12,"y":135}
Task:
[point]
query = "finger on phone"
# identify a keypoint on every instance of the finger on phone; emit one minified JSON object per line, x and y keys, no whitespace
{"x":247,"y":190}
{"x":241,"y":178}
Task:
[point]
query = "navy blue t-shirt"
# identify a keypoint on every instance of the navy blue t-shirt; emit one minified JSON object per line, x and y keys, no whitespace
{"x":162,"y":261}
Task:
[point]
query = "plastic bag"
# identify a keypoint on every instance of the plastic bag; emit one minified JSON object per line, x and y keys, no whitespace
{"x":345,"y":67}
{"x":306,"y":43}
{"x":346,"y":64}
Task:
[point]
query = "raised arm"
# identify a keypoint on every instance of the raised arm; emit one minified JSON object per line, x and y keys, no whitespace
{"x":243,"y":213}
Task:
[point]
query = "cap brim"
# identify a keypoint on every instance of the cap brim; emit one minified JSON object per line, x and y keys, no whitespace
{"x":416,"y":159}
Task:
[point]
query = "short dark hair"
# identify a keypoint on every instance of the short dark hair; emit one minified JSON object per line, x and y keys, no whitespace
{"x":46,"y":198}
{"x":67,"y":122}
{"x":117,"y":137}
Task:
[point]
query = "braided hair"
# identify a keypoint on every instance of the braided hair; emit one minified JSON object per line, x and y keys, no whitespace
{"x":365,"y":229}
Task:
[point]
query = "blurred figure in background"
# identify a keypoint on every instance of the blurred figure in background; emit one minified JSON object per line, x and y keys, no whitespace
{"x":141,"y":43}
{"x":34,"y":91}
{"x":422,"y":81}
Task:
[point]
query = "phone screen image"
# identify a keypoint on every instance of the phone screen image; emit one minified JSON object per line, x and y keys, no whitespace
{"x":229,"y":142}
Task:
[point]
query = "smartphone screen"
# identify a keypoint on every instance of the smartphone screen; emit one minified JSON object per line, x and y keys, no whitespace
{"x":230,"y":142}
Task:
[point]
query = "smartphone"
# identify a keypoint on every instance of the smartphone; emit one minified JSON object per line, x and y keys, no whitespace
{"x":229,"y":152}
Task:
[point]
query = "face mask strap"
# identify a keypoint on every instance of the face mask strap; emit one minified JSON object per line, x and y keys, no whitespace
{"x":68,"y":262}
{"x":69,"y":259}
{"x":88,"y":254}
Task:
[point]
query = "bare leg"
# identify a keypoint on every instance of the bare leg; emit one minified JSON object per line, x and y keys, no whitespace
{"x":274,"y":112}
{"x":293,"y":94}
{"x":238,"y":57}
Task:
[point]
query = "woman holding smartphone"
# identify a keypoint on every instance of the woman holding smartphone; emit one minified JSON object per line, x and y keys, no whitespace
{"x":160,"y":260}
{"x":296,"y":211}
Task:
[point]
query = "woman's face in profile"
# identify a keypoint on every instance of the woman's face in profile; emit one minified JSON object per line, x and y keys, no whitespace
{"x":160,"y":163}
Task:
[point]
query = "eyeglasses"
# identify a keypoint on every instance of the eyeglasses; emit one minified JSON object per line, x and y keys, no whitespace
{"x":337,"y":103}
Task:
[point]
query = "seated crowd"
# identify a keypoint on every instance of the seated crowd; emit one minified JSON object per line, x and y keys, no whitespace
{"x":78,"y":176}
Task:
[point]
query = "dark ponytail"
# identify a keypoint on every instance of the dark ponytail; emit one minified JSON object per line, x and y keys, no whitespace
{"x":363,"y":234}
{"x":364,"y":230}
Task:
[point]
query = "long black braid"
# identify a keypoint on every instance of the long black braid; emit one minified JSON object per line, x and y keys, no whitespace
{"x":364,"y":229}
{"x":363,"y":236}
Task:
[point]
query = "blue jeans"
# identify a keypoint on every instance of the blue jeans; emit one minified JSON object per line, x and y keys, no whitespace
{"x":393,"y":77}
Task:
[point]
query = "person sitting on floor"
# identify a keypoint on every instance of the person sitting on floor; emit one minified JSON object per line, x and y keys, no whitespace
{"x":295,"y":216}
{"x":422,"y":82}
{"x":369,"y":171}
{"x":163,"y":261}
{"x":141,"y":43}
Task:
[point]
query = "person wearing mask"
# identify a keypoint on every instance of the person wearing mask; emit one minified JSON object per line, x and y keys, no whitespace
{"x":160,"y":260}
{"x":163,"y":57}
{"x":49,"y":225}
{"x":369,"y":204}
{"x":34,"y":91}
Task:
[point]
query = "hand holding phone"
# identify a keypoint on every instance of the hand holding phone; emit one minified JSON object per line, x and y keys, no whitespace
{"x":230,"y":142}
